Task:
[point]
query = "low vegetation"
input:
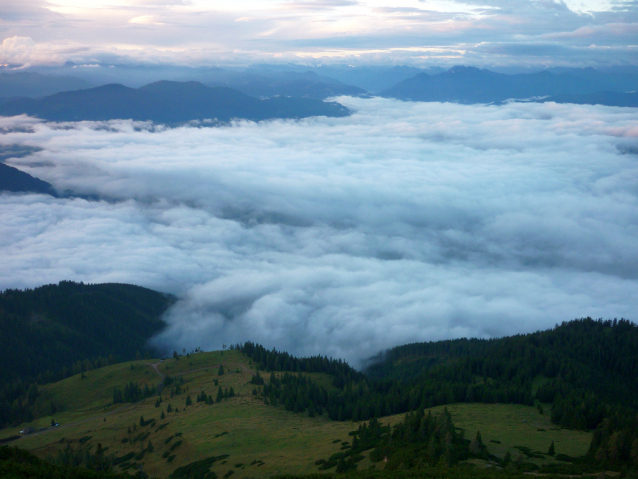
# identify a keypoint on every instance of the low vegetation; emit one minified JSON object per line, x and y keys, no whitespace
{"x":247,"y":412}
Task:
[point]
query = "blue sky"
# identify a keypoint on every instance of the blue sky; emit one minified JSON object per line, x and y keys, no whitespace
{"x":204,"y":32}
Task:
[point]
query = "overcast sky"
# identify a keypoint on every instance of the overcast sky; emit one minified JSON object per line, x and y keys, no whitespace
{"x":419,"y":32}
{"x":343,"y":236}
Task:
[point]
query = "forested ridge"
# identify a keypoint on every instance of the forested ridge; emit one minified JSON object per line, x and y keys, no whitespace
{"x":585,"y":369}
{"x":53,"y":331}
{"x":19,"y":464}
{"x":582,"y":374}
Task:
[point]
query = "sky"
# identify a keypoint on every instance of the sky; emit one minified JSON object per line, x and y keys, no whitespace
{"x":527,"y":33}
{"x":341,"y":236}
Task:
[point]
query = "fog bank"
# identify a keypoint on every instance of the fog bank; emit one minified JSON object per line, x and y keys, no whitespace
{"x":405,"y":222}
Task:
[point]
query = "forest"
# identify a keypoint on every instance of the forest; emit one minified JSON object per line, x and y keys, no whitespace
{"x":581,"y":374}
{"x":584,"y":370}
{"x":55,"y":331}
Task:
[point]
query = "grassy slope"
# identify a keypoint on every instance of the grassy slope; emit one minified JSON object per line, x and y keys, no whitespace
{"x":285,"y":442}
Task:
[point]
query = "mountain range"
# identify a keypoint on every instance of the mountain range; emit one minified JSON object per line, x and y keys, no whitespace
{"x":473,"y":85}
{"x":153,"y":99}
{"x":167,"y":102}
{"x":35,"y":85}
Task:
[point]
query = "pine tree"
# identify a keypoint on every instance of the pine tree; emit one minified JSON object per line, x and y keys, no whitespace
{"x":188,"y":400}
{"x":551,"y":451}
{"x":507,"y":459}
{"x":221,"y":370}
{"x":220,"y":394}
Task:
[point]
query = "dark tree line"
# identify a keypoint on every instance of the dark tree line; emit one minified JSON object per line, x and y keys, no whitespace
{"x":274,"y":360}
{"x":132,"y":392}
{"x":585,"y":368}
{"x":615,"y":442}
{"x":419,"y":441}
{"x":55,"y":331}
{"x":20,"y":464}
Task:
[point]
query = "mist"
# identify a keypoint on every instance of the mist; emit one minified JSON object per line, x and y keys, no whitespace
{"x":340,"y":236}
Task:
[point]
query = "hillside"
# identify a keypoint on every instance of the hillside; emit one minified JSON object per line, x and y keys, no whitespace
{"x":293,"y":84}
{"x":473,"y":85}
{"x":597,"y":359}
{"x":167,"y":102}
{"x":56,"y":330}
{"x":524,"y":403}
{"x":237,"y":429}
{"x":16,"y":181}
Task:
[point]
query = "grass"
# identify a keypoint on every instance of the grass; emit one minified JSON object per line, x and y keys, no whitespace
{"x":503,"y":427}
{"x":260,"y":440}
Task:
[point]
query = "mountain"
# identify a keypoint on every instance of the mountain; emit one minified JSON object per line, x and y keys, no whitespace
{"x":374,"y":78}
{"x":16,"y":181}
{"x":35,"y":85}
{"x":496,"y":404}
{"x":619,"y":78}
{"x":167,"y":102}
{"x":294,"y":84}
{"x":473,"y":85}
{"x":367,"y":78}
{"x":249,"y":411}
{"x":609,"y":98}
{"x":51,"y":327}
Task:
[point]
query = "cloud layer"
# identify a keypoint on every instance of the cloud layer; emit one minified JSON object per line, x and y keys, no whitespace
{"x":442,"y":32}
{"x":405,"y":222}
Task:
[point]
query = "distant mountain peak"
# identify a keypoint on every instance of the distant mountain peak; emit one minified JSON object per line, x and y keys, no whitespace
{"x":465,"y":69}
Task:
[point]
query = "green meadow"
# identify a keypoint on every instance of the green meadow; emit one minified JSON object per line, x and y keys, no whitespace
{"x":259,"y":440}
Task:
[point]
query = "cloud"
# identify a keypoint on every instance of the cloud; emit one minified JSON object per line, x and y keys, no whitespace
{"x":352,"y":32}
{"x":145,"y":20}
{"x":24,"y":51}
{"x":405,"y":222}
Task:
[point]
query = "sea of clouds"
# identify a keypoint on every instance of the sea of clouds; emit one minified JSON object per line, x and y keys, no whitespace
{"x":404,"y":222}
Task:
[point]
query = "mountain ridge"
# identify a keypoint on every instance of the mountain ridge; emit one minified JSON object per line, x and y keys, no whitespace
{"x":471,"y":85}
{"x":167,"y":102}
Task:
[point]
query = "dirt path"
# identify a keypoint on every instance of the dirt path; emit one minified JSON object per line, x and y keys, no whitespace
{"x":154,"y":366}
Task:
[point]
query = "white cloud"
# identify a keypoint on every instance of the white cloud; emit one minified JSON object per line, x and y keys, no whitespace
{"x":404,"y":222}
{"x":409,"y":31}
